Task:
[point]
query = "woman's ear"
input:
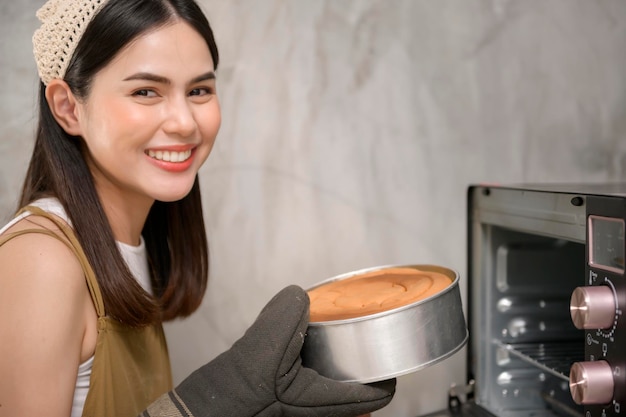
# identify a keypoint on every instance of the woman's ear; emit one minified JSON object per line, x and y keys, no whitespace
{"x":63,"y":105}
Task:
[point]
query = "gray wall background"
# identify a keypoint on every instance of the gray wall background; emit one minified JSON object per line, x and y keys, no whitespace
{"x":352,"y":129}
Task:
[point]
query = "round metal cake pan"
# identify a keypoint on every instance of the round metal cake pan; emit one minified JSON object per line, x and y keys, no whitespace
{"x":391,"y":343}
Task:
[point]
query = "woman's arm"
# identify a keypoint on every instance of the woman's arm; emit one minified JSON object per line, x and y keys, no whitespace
{"x":44,"y":310}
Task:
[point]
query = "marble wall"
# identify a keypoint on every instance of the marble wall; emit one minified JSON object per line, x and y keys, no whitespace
{"x":351,"y":130}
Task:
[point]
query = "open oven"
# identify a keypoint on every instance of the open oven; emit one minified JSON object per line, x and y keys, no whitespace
{"x":546,"y":290}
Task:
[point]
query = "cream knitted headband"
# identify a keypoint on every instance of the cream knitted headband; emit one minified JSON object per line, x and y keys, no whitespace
{"x":63,"y":23}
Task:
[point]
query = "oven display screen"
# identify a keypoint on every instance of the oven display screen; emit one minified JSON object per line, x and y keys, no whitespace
{"x":606,"y":243}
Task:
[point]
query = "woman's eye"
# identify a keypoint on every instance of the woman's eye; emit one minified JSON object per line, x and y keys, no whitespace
{"x":145,"y":93}
{"x":200,"y":91}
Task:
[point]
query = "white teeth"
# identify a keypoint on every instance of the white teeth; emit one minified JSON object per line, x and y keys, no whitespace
{"x":170,"y":156}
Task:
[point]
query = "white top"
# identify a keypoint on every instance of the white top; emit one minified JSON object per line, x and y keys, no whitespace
{"x":136,"y":258}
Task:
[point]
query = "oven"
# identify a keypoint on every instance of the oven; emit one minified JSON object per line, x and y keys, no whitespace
{"x":546,"y":293}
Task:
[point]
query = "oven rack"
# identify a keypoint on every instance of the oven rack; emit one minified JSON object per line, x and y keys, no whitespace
{"x":555,"y":358}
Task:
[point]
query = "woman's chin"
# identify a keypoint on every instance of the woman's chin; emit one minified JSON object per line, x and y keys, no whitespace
{"x":172,"y":195}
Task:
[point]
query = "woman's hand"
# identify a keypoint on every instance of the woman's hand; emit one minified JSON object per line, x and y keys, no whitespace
{"x":262,"y":374}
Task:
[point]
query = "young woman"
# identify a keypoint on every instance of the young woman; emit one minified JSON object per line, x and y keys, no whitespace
{"x":110,"y":242}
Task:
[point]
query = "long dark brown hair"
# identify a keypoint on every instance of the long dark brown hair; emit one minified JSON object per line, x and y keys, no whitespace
{"x":174,"y":231}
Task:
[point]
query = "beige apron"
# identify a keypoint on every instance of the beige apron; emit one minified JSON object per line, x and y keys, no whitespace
{"x":131,"y":366}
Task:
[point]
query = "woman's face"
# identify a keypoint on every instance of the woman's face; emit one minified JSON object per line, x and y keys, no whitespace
{"x":151,"y":117}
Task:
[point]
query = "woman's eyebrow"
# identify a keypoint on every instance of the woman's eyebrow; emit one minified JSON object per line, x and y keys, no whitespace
{"x":146,"y":76}
{"x":204,"y":77}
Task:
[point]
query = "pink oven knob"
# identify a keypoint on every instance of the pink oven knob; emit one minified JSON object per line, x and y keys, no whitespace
{"x":591,"y":382}
{"x":593,"y":307}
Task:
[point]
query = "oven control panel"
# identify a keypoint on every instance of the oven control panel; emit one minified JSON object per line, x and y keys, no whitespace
{"x":599,"y":382}
{"x":594,"y":308}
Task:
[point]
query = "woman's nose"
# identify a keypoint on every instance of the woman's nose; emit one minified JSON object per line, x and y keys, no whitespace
{"x":180,"y":118}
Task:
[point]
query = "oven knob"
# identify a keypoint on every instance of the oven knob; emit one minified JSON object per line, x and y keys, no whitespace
{"x":591,"y":382}
{"x":593,"y":307}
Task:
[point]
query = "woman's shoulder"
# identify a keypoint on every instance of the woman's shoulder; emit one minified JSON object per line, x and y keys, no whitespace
{"x":35,"y":250}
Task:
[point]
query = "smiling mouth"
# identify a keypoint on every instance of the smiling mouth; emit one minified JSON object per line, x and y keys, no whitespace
{"x":169,"y":156}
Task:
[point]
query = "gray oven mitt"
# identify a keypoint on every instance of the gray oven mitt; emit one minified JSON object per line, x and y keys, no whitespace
{"x":262,"y":375}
